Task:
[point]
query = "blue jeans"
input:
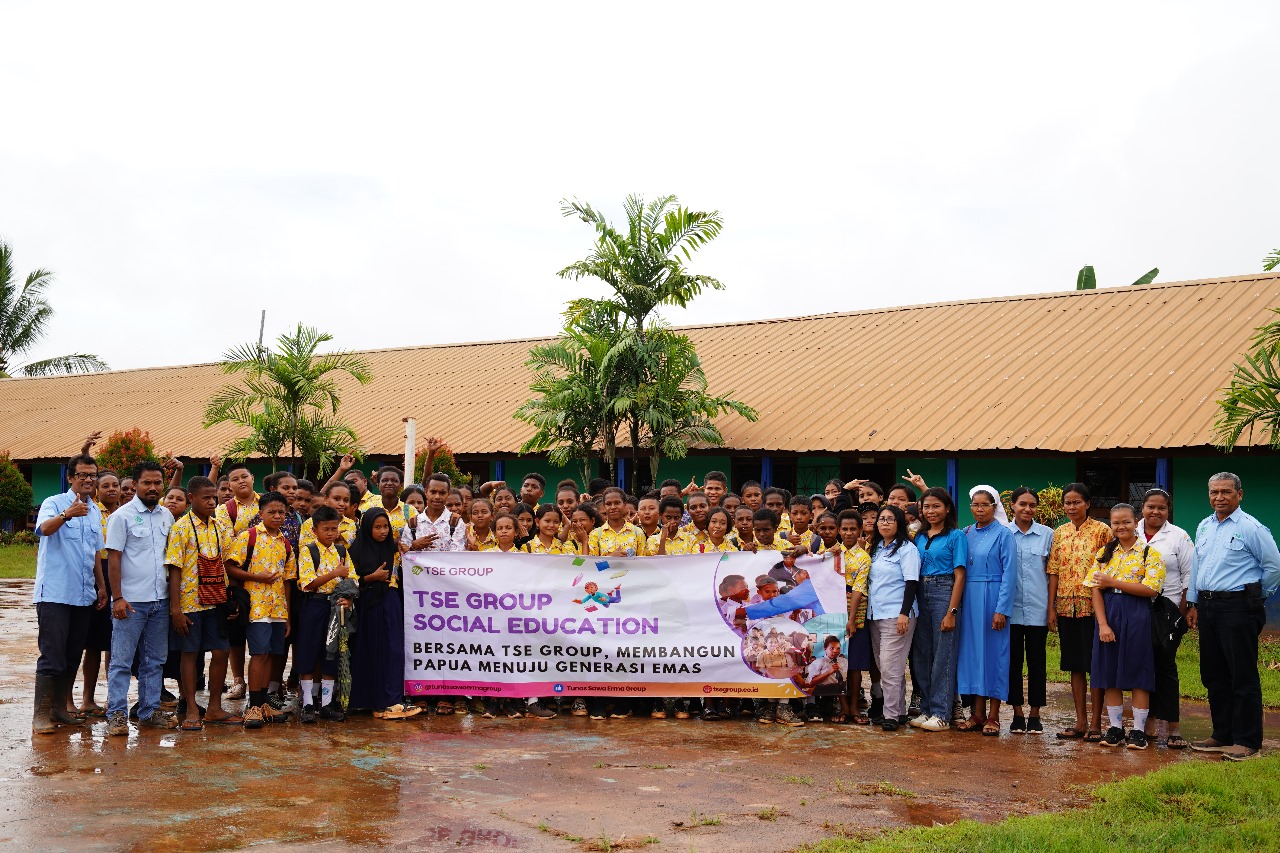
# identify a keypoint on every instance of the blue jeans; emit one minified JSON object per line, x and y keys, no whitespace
{"x":935,"y":652}
{"x":147,"y":627}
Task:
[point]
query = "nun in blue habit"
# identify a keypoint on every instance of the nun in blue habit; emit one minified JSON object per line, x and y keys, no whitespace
{"x":989,"y":586}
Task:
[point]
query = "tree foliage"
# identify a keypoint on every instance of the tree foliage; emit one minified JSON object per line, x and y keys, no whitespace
{"x":15,"y":492}
{"x":288,"y":397}
{"x":124,"y":449}
{"x":617,"y":367}
{"x":442,"y":462}
{"x":24,"y":320}
{"x":1251,"y":400}
{"x":1086,"y":279}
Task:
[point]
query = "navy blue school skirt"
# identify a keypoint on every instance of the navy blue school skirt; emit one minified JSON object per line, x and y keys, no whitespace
{"x":1129,"y":662}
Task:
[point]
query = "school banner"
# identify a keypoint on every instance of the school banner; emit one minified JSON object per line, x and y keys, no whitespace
{"x":521,"y":625}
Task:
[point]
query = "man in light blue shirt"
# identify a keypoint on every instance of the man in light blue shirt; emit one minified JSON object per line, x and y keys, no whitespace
{"x":67,"y":590}
{"x":1237,"y":567}
{"x":137,"y":533}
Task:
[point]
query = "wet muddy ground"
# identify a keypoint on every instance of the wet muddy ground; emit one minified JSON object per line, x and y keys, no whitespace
{"x":462,"y":783}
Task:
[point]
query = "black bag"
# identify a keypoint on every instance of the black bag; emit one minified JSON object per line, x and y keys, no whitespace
{"x":1167,"y":623}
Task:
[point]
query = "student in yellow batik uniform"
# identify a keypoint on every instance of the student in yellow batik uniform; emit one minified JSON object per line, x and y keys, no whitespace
{"x":262,"y":561}
{"x":618,"y":537}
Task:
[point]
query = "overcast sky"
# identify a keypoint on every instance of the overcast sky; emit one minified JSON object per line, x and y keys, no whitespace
{"x":392,"y":173}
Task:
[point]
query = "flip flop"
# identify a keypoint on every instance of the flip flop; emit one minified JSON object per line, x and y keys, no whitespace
{"x":991,"y":730}
{"x":1176,"y":742}
{"x":861,"y":720}
{"x":1093,"y":737}
{"x":971,"y":725}
{"x":95,"y":711}
{"x":196,"y":726}
{"x":1069,"y":734}
{"x":233,"y":720}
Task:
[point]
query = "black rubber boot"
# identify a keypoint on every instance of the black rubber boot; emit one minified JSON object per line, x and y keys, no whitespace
{"x":41,"y":722}
{"x":59,"y":711}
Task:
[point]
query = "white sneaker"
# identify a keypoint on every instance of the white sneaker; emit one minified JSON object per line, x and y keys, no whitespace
{"x":933,"y":724}
{"x":918,"y":722}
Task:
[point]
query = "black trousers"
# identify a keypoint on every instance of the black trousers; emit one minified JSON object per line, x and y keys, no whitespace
{"x":1165,"y":704}
{"x":61,"y":635}
{"x":1030,"y":639}
{"x":1229,"y":631}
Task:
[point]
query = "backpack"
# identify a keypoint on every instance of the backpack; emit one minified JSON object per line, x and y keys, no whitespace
{"x":314,"y":549}
{"x":253,"y":540}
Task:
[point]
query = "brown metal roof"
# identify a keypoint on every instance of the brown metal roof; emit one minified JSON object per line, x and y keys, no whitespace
{"x":1122,"y":367}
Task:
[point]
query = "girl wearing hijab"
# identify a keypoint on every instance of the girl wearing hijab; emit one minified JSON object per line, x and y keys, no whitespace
{"x":377,"y":668}
{"x":990,"y":581}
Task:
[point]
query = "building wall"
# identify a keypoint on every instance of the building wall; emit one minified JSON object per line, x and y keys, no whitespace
{"x":46,"y":480}
{"x":694,"y":467}
{"x":1009,"y":473}
{"x":1189,"y":485}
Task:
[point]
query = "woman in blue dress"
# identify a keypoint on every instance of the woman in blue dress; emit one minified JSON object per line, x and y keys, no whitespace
{"x":989,"y":585}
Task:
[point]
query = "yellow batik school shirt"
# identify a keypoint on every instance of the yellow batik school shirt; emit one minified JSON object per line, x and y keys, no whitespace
{"x":488,"y":543}
{"x":268,"y":602}
{"x":330,"y":559}
{"x":1130,"y":567}
{"x":102,"y":554}
{"x":535,"y":546}
{"x":190,"y":538}
{"x":1072,"y":558}
{"x":371,"y":498}
{"x":806,"y":538}
{"x":682,"y":544}
{"x":605,"y":540}
{"x":857,"y":573}
{"x":347,"y":528}
{"x":708,"y":547}
{"x":784,"y":524}
{"x":778,"y":544}
{"x":246,"y":516}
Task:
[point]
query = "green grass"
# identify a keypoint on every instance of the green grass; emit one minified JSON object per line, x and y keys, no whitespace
{"x":1189,"y":668}
{"x":1186,"y":806}
{"x":17,"y":561}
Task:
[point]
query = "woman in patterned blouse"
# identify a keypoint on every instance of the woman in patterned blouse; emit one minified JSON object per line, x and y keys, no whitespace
{"x":1075,"y":544}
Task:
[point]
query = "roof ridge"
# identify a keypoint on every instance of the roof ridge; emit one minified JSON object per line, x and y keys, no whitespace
{"x":1023,"y":297}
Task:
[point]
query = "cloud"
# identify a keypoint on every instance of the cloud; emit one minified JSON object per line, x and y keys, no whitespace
{"x":392,"y":173}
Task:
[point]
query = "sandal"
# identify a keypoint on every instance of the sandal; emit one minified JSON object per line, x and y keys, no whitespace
{"x":1093,"y":736}
{"x":93,"y":709}
{"x":1070,"y":734}
{"x":1176,"y":741}
{"x":192,"y":726}
{"x":991,"y":729}
{"x":971,"y":725}
{"x":233,"y":720}
{"x":443,"y":709}
{"x":837,"y":718}
{"x":861,"y":719}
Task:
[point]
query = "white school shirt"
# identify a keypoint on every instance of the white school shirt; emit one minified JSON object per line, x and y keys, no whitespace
{"x":1179,"y":554}
{"x":445,"y":540}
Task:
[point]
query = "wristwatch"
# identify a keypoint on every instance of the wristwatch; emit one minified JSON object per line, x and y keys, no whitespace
{"x":64,"y":515}
{"x":955,"y":611}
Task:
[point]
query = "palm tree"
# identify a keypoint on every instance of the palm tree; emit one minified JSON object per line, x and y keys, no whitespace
{"x":288,"y":396}
{"x":1271,"y":261}
{"x":675,"y":408}
{"x":576,"y":412}
{"x":1252,"y":399}
{"x":645,"y":268}
{"x":24,"y":314}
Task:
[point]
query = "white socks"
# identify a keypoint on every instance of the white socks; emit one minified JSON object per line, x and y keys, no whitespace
{"x":326,"y":692}
{"x":307,"y":688}
{"x":1140,"y":718}
{"x":1115,"y":713}
{"x":273,"y":687}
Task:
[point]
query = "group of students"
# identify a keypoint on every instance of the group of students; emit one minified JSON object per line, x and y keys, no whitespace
{"x":266,"y":574}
